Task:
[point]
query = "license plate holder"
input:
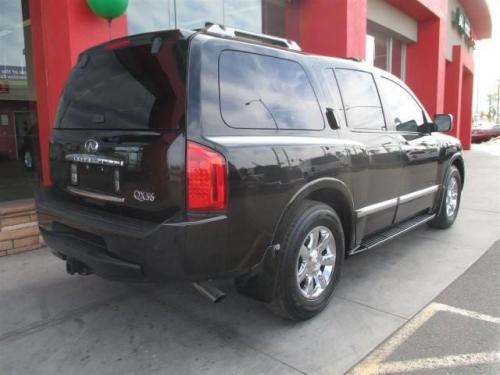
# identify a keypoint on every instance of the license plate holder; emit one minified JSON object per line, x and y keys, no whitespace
{"x":98,"y":177}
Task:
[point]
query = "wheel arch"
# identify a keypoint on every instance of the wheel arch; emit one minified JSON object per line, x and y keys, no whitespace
{"x":331,"y":192}
{"x":458,"y":161}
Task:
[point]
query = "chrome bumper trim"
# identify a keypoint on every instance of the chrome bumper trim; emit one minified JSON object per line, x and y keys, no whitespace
{"x":90,"y":194}
{"x":94,"y":159}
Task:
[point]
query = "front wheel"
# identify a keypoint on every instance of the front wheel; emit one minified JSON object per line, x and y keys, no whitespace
{"x":448,"y":210}
{"x":312,"y":257}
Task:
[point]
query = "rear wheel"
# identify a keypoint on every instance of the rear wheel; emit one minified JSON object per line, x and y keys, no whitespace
{"x":448,"y":210}
{"x":312,"y":258}
{"x":28,"y":160}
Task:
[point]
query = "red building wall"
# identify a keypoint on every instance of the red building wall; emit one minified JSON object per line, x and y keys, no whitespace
{"x":328,"y":27}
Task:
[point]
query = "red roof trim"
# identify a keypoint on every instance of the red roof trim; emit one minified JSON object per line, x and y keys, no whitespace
{"x":477,"y":11}
{"x":420,"y":10}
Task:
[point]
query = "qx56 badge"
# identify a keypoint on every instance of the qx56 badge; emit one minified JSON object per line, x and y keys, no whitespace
{"x":144,"y":196}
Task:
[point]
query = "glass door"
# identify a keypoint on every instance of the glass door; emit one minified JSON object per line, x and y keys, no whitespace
{"x":18,"y":126}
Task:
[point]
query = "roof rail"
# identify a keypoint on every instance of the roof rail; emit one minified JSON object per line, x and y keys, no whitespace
{"x":352,"y":58}
{"x":214,"y":28}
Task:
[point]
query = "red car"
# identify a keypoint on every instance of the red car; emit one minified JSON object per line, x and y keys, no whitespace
{"x":485,"y":132}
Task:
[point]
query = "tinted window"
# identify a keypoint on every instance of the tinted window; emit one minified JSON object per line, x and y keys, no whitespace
{"x":333,"y":87}
{"x":361,"y":101}
{"x":404,"y":112}
{"x":263,"y":92}
{"x":126,"y":88}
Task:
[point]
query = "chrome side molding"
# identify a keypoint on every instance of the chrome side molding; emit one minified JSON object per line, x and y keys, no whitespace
{"x":94,"y":159}
{"x":418,"y":194}
{"x":90,"y":194}
{"x":371,"y":209}
{"x":384,"y":205}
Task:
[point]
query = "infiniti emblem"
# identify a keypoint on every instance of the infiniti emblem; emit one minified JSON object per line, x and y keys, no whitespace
{"x":91,"y":146}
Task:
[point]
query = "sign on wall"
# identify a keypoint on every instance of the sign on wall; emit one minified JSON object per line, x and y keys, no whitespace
{"x":462,"y":24}
{"x":13,"y":73}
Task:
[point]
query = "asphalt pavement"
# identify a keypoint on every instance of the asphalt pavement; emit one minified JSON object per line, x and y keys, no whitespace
{"x":52,"y":323}
{"x":458,"y":333}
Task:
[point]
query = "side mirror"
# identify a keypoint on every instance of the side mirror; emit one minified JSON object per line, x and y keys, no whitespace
{"x":443,"y":123}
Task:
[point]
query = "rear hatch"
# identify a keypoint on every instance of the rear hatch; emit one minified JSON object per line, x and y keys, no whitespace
{"x":119,"y":135}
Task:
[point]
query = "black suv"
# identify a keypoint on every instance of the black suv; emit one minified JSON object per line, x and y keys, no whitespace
{"x":216,"y":153}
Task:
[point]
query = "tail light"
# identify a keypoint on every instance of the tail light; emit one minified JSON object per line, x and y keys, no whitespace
{"x":206,"y":178}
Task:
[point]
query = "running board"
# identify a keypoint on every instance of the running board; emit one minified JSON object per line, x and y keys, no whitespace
{"x":393,"y":232}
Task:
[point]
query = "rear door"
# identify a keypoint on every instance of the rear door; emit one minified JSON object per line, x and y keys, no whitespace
{"x":420,"y":150}
{"x":119,"y":134}
{"x":375,"y":153}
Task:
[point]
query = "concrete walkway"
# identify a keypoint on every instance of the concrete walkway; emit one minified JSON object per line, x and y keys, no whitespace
{"x":53,"y":323}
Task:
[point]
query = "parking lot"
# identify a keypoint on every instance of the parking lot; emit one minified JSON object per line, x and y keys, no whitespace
{"x":53,"y":323}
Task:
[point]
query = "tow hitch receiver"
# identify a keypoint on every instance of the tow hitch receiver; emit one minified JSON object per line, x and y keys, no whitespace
{"x":76,"y":267}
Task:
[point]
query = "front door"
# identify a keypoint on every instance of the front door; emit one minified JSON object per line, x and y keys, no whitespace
{"x":420,"y":151}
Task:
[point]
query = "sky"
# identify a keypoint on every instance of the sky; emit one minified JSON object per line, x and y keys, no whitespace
{"x":487,"y":62}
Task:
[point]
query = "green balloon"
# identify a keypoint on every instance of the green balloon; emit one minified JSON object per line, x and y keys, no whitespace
{"x":108,"y":9}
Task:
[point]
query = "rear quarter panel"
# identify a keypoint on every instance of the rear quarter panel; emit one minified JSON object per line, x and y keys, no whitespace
{"x":266,"y":167}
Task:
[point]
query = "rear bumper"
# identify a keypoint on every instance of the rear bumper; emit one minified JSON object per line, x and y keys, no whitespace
{"x":125,"y":249}
{"x":92,"y":256}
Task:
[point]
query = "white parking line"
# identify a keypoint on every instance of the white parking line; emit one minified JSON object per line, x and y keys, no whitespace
{"x":374,"y":364}
{"x":433,"y":363}
{"x":467,"y":313}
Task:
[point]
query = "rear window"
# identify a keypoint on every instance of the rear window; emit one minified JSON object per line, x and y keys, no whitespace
{"x":263,"y":92}
{"x":126,"y":88}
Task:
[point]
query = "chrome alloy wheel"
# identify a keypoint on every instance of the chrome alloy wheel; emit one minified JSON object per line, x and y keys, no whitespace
{"x":315,"y":262}
{"x":451,"y":201}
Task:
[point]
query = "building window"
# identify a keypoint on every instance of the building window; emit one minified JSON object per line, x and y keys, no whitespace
{"x":18,"y":124}
{"x":257,"y":16}
{"x":386,"y":52}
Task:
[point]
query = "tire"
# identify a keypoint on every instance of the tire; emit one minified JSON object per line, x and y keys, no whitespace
{"x":28,"y":160}
{"x":311,"y":224}
{"x":447,"y":212}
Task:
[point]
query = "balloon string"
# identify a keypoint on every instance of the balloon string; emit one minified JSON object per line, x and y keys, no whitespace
{"x":109,"y":28}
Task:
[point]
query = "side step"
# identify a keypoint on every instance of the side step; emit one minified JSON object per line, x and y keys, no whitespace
{"x":393,"y":232}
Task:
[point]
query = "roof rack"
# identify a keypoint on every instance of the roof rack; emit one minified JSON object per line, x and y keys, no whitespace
{"x":217,"y":29}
